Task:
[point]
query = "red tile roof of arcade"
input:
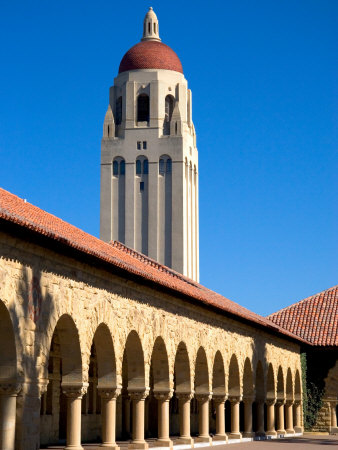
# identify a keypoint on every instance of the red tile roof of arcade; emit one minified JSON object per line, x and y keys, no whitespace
{"x":14,"y":210}
{"x":315,"y":318}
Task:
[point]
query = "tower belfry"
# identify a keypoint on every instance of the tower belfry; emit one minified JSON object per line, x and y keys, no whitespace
{"x":149,"y":159}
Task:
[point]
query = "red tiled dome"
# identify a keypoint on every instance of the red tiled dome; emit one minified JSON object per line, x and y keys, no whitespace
{"x":150,"y":55}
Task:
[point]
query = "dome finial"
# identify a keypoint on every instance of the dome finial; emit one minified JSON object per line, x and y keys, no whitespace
{"x":150,"y":27}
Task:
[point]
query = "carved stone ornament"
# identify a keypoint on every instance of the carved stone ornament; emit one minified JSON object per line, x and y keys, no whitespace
{"x":203,"y":397}
{"x":139,"y":395}
{"x":74,"y":391}
{"x":109,"y":393}
{"x":248,"y":399}
{"x":219,"y":398}
{"x":43,"y":386}
{"x":280,"y":401}
{"x":235,"y":398}
{"x":185,"y":396}
{"x":163,"y":395}
{"x":10,"y":388}
{"x":289,"y":402}
{"x":270,"y":401}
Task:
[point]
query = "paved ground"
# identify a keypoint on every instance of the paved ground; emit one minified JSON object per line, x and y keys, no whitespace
{"x":306,"y":442}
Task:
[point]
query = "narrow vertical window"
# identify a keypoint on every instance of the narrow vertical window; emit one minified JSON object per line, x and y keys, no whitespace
{"x":168,"y":112}
{"x":145,"y":167}
{"x":149,"y":27}
{"x":161,"y":167}
{"x":108,"y":130}
{"x":122,"y":167}
{"x":118,"y":109}
{"x":144,"y":145}
{"x":155,"y":28}
{"x":143,"y":108}
{"x":138,"y":145}
{"x":138,"y":167}
{"x":169,"y":166}
{"x":142,"y":186}
{"x":115,"y":168}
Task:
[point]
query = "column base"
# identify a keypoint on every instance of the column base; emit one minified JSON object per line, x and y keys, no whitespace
{"x":292,"y":431}
{"x":281,"y":432}
{"x":73,"y":447}
{"x":235,"y":436}
{"x":138,"y":445}
{"x":185,"y":440}
{"x":260,"y":433}
{"x":220,"y":437}
{"x":333,"y":430}
{"x":203,"y":439}
{"x":300,"y":430}
{"x":111,"y":446}
{"x":248,"y":434}
{"x":164,"y":443}
{"x":271,"y":433}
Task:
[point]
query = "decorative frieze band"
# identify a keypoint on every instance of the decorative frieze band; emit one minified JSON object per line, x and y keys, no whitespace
{"x":10,"y":388}
{"x":74,"y":390}
{"x":109,"y":393}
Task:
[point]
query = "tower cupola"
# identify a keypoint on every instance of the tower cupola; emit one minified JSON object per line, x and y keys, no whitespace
{"x":150,"y":27}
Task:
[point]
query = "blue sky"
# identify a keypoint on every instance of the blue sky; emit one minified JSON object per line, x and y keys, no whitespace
{"x":264,"y":80}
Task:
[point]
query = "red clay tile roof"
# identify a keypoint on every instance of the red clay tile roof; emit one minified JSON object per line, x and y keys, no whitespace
{"x":17,"y":211}
{"x":315,"y":318}
{"x":150,"y":55}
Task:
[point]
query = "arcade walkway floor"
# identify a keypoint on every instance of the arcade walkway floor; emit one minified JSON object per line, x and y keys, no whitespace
{"x":306,"y":442}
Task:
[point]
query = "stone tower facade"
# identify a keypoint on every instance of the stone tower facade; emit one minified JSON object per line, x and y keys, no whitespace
{"x":149,"y":159}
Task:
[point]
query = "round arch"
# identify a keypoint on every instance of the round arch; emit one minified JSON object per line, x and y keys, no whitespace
{"x":234,"y":387}
{"x":8,"y":360}
{"x":259,"y":382}
{"x":201,"y":372}
{"x":280,"y":384}
{"x":106,"y":362}
{"x":270,"y":383}
{"x":289,"y":387}
{"x":133,"y":370}
{"x":298,"y":393}
{"x":182,"y":369}
{"x":218,"y":375}
{"x":248,"y":387}
{"x":160,"y":366}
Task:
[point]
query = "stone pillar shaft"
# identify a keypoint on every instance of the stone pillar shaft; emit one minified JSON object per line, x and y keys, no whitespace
{"x":289,"y":417}
{"x":235,"y":433}
{"x":333,"y":407}
{"x":220,"y":416}
{"x":108,"y":397}
{"x":138,"y":399}
{"x":203,"y":416}
{"x":247,"y":417}
{"x":280,"y":417}
{"x":74,"y":394}
{"x":270,"y":416}
{"x":8,"y":394}
{"x":163,"y":399}
{"x":184,"y":412}
{"x":260,"y":417}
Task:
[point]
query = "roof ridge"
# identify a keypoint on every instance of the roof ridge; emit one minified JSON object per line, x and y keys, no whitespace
{"x":301,"y":301}
{"x":144,"y":258}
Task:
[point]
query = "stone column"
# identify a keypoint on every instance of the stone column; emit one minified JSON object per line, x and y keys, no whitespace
{"x":297,"y":407}
{"x":8,"y":394}
{"x":280,"y":416}
{"x":203,"y":417}
{"x":74,"y":394}
{"x":108,"y":416}
{"x":235,"y":433}
{"x":248,"y":417}
{"x":289,"y":417}
{"x":184,"y":399}
{"x":260,"y":417}
{"x":333,"y":410}
{"x":138,"y":398}
{"x":270,"y":416}
{"x":219,"y":401}
{"x":163,"y":399}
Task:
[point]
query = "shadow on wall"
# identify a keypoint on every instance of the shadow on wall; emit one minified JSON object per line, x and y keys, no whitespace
{"x":30,"y":313}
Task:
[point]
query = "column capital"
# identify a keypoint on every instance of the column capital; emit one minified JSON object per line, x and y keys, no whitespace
{"x":138,"y":395}
{"x":203,"y":397}
{"x":280,"y":401}
{"x":289,"y":402}
{"x":220,"y":398}
{"x":76,"y":390}
{"x":270,"y":401}
{"x":163,"y":395}
{"x":10,"y":388}
{"x":248,"y":399}
{"x":235,"y":398}
{"x":108,"y":393}
{"x":185,"y":395}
